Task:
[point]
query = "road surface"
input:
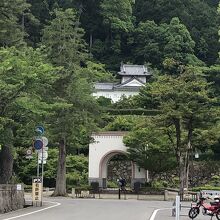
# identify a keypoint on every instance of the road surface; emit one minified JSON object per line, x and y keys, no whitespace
{"x":88,"y":209}
{"x":98,"y":209}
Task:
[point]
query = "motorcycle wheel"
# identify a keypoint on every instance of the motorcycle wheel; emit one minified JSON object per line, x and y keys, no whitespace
{"x":218,"y":214}
{"x":193,"y":212}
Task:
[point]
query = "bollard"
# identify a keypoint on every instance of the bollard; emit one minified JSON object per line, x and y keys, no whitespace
{"x":177,"y":207}
{"x":166,"y":195}
{"x":47,"y":191}
{"x":73,"y":193}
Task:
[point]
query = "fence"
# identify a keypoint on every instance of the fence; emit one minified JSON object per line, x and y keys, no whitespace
{"x":113,"y":193}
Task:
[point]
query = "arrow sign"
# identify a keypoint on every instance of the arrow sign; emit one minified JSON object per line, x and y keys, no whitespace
{"x":39,"y":129}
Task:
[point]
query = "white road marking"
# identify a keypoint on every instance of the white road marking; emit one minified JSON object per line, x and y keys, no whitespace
{"x":155,"y":212}
{"x":30,"y":213}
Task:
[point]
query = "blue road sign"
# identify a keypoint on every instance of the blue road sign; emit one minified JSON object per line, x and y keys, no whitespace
{"x":38,"y":144}
{"x":39,"y":129}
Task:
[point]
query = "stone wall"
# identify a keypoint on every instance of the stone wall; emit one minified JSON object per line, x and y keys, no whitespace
{"x":11,"y":198}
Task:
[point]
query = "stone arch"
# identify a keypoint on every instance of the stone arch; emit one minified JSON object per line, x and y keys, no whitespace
{"x":106,"y":158}
{"x":105,"y":146}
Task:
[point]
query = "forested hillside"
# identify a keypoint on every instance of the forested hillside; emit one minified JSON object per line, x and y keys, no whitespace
{"x":128,"y":30}
{"x":52,"y":52}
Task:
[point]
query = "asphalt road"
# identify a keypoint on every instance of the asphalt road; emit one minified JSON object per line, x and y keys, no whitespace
{"x":99,"y":209}
{"x":89,"y":209}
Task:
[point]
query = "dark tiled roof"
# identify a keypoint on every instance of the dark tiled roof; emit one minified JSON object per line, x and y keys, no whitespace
{"x":134,"y":70}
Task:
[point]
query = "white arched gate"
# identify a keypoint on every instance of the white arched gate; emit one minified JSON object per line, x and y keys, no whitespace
{"x":105,"y":146}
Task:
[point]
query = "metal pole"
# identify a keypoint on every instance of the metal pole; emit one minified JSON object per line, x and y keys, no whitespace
{"x":38,"y":171}
{"x":42,"y":173}
{"x":38,"y":168}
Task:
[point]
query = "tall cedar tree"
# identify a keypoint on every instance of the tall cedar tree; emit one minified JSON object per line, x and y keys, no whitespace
{"x":63,"y":41}
{"x":12,"y":32}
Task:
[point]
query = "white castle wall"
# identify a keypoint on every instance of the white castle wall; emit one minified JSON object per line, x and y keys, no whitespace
{"x":114,"y":95}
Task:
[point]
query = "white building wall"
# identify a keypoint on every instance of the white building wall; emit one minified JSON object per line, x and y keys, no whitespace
{"x":125,"y":78}
{"x":114,"y":95}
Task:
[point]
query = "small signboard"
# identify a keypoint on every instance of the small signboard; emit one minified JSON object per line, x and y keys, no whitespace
{"x":37,"y":190}
{"x":29,"y":154}
{"x":19,"y":187}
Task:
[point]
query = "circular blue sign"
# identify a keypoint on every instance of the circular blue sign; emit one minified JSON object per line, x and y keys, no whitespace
{"x":38,"y":144}
{"x":40,"y":129}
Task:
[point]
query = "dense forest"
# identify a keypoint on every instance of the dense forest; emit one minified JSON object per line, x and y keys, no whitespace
{"x":52,"y":51}
{"x":130,"y":31}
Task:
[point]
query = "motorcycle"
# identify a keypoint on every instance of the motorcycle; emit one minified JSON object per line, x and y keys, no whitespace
{"x":210,"y":209}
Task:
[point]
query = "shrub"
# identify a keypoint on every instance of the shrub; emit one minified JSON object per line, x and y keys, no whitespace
{"x":112,"y":184}
{"x":205,"y":187}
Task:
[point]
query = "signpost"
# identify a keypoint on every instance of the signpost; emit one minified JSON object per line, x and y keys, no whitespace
{"x":40,"y":145}
{"x":37,"y":191}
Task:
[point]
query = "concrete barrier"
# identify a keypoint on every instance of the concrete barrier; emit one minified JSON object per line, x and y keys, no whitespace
{"x":11,"y":197}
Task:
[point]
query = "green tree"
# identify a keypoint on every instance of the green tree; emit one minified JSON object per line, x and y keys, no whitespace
{"x":148,"y":42}
{"x":117,"y":14}
{"x":117,"y":22}
{"x":200,"y":18}
{"x":186,"y":104}
{"x":70,"y":125}
{"x":165,"y":45}
{"x":25,"y":78}
{"x":122,"y":123}
{"x":77,"y":167}
{"x":11,"y":11}
{"x":96,"y":72}
{"x":25,"y":169}
{"x":179,"y":42}
{"x":149,"y":147}
{"x":63,"y":39}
